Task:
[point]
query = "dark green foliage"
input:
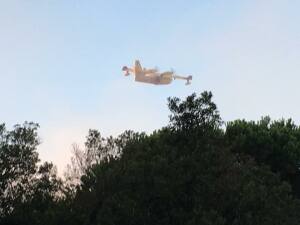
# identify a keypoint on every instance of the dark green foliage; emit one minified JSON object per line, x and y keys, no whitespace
{"x":272,"y":143}
{"x":184,"y":174}
{"x":28,"y":191}
{"x":190,"y":172}
{"x":194,"y":113}
{"x":18,"y":159}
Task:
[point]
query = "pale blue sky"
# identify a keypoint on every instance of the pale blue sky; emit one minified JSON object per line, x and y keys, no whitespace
{"x":60,"y":63}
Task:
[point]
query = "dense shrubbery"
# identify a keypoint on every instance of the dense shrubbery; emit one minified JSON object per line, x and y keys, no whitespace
{"x":191,"y":172}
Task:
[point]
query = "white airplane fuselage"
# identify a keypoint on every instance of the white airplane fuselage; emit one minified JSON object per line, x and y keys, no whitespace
{"x":154,"y":78}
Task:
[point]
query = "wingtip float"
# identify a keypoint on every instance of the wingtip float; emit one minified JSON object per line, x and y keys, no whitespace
{"x":153,"y":76}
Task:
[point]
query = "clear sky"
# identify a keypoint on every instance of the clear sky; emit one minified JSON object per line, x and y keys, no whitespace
{"x":60,"y":63}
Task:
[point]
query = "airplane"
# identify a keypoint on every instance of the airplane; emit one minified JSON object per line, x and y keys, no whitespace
{"x":153,"y":76}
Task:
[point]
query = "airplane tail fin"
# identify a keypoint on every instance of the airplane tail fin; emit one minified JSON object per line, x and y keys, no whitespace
{"x":137,"y":67}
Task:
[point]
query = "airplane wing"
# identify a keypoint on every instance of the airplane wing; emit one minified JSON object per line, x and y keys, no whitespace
{"x":137,"y":66}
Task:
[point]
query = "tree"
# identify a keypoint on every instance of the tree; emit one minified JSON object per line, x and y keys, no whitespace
{"x":28,"y":191}
{"x":272,"y":143}
{"x":184,"y":174}
{"x":190,"y":172}
{"x":194,"y":113}
{"x":18,"y":164}
{"x":96,"y":149}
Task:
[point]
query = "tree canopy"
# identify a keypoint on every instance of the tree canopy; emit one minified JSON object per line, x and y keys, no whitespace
{"x":193,"y":171}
